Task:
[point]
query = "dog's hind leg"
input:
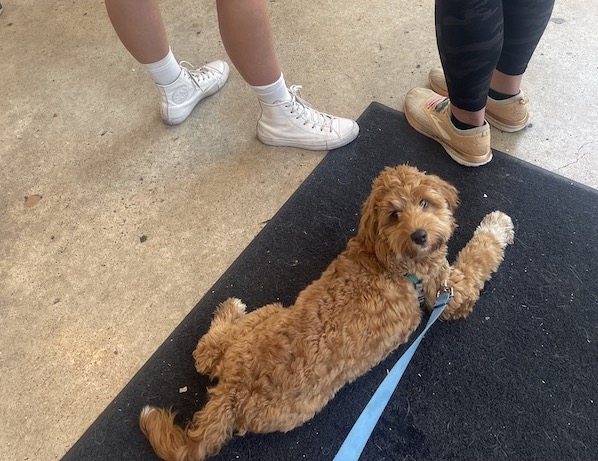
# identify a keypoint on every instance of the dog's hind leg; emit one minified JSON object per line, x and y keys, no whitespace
{"x":212,"y":427}
{"x":212,"y":345}
{"x":477,"y":261}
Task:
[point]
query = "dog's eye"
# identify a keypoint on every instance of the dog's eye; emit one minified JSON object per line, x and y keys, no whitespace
{"x":423,"y":204}
{"x":395,"y":215}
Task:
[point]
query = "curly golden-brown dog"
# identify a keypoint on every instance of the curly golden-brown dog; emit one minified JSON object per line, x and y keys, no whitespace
{"x":277,"y":367}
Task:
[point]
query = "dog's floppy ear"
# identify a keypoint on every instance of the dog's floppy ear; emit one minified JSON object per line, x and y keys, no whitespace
{"x":448,"y":191}
{"x":368,"y":224}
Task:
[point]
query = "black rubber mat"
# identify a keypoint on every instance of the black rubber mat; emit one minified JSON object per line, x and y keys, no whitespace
{"x":517,"y":380}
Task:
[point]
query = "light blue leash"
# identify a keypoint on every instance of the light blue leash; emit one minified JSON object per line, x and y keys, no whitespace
{"x":360,"y":433}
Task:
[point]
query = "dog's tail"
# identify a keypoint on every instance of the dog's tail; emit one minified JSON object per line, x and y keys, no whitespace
{"x":165,"y":437}
{"x":212,"y":427}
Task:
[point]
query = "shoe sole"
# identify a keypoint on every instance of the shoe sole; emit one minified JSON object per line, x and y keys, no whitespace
{"x":507,"y":128}
{"x":456,"y":156}
{"x":310,"y":146}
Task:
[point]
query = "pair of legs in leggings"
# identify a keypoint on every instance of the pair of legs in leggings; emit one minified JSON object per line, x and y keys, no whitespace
{"x":486,"y":44}
{"x":485,"y":47}
{"x":247,"y":37}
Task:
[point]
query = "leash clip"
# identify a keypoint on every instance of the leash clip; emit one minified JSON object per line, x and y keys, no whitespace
{"x":445,"y":289}
{"x":445,"y":294}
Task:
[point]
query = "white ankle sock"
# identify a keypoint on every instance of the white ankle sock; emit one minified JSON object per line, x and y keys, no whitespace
{"x":166,"y":70}
{"x":275,"y":92}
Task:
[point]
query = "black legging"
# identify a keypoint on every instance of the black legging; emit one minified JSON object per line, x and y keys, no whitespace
{"x":477,"y":36}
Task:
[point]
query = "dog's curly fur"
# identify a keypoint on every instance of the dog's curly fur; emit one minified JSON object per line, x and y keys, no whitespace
{"x":277,"y":367}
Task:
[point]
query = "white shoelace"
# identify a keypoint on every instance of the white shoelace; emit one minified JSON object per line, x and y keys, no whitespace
{"x":301,"y":109}
{"x":197,"y":75}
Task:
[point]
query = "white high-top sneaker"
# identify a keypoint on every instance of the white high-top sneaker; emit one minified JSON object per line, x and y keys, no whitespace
{"x":180,"y":97}
{"x":295,"y":123}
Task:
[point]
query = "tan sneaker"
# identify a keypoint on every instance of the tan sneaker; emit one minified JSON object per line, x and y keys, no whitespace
{"x":438,"y":81}
{"x":429,"y":113}
{"x":508,"y":115}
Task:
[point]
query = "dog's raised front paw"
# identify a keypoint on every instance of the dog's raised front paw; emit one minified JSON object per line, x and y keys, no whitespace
{"x":500,"y":224}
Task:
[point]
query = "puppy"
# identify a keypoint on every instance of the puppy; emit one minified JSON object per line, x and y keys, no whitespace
{"x":277,"y":367}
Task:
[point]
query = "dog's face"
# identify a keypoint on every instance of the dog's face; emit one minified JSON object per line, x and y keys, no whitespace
{"x":409,"y":214}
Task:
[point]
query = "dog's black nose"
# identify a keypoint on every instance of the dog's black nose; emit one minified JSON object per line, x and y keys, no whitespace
{"x":419,"y":236}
